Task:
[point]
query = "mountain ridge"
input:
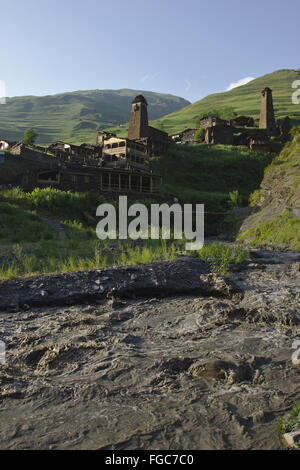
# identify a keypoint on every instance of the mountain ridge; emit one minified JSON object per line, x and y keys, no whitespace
{"x":78,"y":115}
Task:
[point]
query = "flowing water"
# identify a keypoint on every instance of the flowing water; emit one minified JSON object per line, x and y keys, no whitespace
{"x":180,"y":372}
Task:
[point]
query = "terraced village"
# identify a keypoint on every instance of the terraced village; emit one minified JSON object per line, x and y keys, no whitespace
{"x":132,"y":344}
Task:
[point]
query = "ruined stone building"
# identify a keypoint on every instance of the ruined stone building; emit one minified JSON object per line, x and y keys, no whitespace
{"x":216,"y":131}
{"x":241,"y":130}
{"x":188,"y":135}
{"x":267,"y":116}
{"x":259,"y":143}
{"x":242,"y":121}
{"x":284,"y":127}
{"x":139,"y":129}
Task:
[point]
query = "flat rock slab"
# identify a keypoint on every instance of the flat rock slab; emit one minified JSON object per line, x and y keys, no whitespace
{"x":292,"y":439}
{"x":184,"y":276}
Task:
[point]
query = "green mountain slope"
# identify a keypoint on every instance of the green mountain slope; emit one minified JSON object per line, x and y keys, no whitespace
{"x":200,"y":174}
{"x":244,"y":99}
{"x":77,"y":116}
{"x":276,"y":224}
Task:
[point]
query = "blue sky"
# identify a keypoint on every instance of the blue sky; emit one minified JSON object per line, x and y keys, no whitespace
{"x":189,"y":48}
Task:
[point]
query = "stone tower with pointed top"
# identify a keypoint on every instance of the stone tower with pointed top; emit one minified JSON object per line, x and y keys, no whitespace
{"x":138,"y":125}
{"x":267,"y":117}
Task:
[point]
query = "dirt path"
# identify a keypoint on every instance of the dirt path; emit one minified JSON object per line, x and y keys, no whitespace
{"x":54,"y":224}
{"x":201,"y":368}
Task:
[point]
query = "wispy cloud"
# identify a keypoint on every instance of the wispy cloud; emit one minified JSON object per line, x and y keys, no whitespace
{"x":242,"y":81}
{"x":188,"y":84}
{"x":144,"y":78}
{"x":148,"y":77}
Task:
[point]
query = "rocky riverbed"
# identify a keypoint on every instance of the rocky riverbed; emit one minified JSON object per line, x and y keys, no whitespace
{"x":165,"y":356}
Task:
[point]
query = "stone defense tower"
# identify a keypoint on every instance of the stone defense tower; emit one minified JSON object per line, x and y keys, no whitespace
{"x":138,"y":125}
{"x":267,"y":117}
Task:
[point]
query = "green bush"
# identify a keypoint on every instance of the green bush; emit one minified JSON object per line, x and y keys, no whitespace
{"x":61,"y":204}
{"x":280,"y":232}
{"x":255,"y":197}
{"x":288,"y":424}
{"x":29,"y":136}
{"x":234,"y":199}
{"x":220,"y":255}
{"x":199,"y":135}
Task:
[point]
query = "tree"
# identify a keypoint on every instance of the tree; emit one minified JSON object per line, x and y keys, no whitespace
{"x":29,"y":136}
{"x":228,"y":113}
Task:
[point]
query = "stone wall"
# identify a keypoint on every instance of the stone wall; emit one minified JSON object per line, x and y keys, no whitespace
{"x":211,"y":121}
{"x":188,"y":135}
{"x":243,"y":121}
{"x":219,"y":134}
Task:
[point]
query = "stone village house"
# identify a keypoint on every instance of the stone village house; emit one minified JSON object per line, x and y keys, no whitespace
{"x":188,"y":135}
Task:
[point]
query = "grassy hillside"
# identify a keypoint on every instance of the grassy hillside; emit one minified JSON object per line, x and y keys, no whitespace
{"x":203,"y":174}
{"x":19,"y":225}
{"x":244,"y":99}
{"x":77,"y":116}
{"x":277,"y":222}
{"x":30,"y":245}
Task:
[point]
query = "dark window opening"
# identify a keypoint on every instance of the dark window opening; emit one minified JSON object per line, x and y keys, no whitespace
{"x":49,"y":176}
